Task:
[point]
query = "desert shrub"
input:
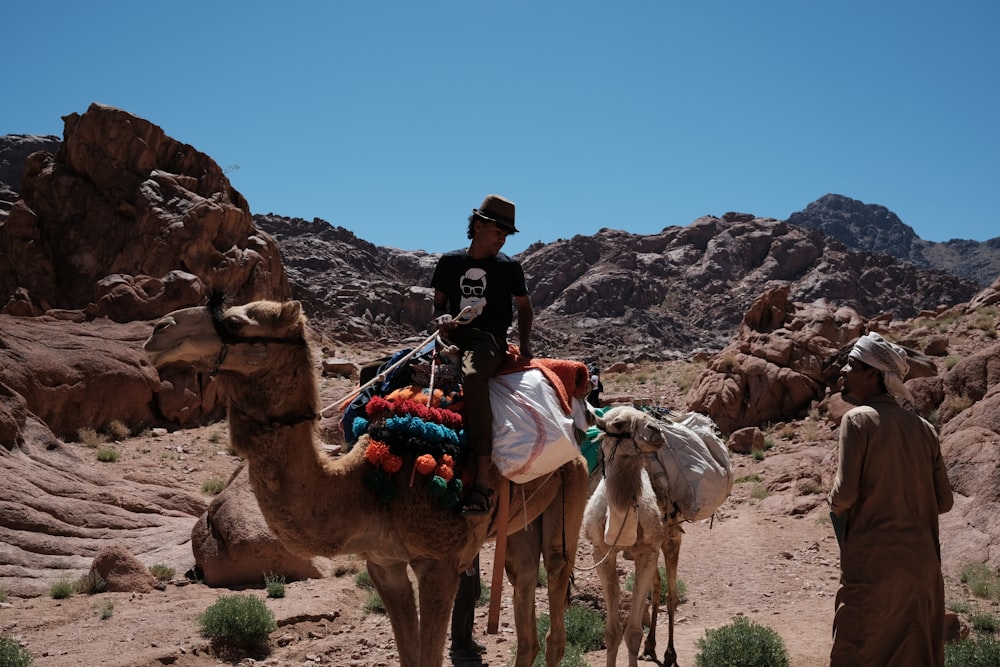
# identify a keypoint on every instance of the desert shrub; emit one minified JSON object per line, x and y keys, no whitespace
{"x":107,"y":454}
{"x":364,"y":580}
{"x":119,"y":430}
{"x":976,"y":652}
{"x":90,"y":583}
{"x":4,"y":594}
{"x":956,"y":404}
{"x":374,"y":604}
{"x":213,"y":486}
{"x":106,"y":609}
{"x":62,"y":589}
{"x":238,"y":620}
{"x":753,"y":477}
{"x":742,"y":643}
{"x":90,"y":437}
{"x":758,"y":491}
{"x":982,"y":580}
{"x":163,"y":573}
{"x":13,"y":655}
{"x":584,"y":633}
{"x":960,"y":607}
{"x":274,"y":584}
{"x":984,"y":624}
{"x":664,"y":586}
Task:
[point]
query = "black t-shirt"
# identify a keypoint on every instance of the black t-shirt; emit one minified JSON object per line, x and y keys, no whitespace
{"x":497,"y":279}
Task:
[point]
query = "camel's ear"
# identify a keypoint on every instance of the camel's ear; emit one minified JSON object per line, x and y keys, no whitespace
{"x":291,"y":311}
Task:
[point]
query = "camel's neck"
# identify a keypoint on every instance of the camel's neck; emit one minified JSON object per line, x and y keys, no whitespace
{"x":300,"y":488}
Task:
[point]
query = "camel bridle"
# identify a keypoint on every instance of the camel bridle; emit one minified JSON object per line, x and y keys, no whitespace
{"x":229,"y":339}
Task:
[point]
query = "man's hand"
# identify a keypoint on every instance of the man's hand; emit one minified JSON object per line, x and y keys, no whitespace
{"x":443,"y":323}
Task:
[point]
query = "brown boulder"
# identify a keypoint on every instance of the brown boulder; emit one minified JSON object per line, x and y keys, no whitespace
{"x":73,"y":374}
{"x":233,"y":545}
{"x":746,"y":440}
{"x":121,"y":571}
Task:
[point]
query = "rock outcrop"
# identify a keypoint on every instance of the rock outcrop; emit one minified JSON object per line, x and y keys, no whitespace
{"x":125,"y":222}
{"x":59,"y":512}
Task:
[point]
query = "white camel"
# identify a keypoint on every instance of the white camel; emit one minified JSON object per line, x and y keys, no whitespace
{"x":626,"y":515}
{"x":317,"y":504}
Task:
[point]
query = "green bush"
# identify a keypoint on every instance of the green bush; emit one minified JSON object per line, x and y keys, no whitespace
{"x":664,"y":585}
{"x":364,"y":580}
{"x":61,"y":589}
{"x":979,"y":652}
{"x":90,"y":583}
{"x":984,"y":624}
{"x":106,"y":610}
{"x":238,"y":620}
{"x":163,"y":573}
{"x":12,"y":655}
{"x":584,"y":633}
{"x":107,"y":454}
{"x":982,"y":580}
{"x":274,"y":584}
{"x":213,"y":486}
{"x":742,"y":643}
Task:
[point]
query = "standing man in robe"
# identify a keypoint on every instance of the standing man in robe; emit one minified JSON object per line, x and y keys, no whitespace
{"x":891,"y":485}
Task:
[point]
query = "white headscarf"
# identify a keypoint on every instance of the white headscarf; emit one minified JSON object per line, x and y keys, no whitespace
{"x":887,"y":357}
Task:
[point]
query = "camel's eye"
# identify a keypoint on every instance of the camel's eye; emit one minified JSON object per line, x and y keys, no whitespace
{"x":233,"y":323}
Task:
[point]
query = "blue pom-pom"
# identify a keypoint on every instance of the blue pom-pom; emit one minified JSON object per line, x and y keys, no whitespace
{"x":359,"y":427}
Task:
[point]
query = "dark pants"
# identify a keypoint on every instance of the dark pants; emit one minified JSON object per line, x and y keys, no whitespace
{"x":464,"y":612}
{"x":481,"y":359}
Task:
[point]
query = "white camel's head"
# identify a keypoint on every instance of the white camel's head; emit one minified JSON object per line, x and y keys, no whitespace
{"x":629,"y":431}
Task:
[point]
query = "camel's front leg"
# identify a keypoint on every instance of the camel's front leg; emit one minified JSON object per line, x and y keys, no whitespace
{"x":645,"y":571}
{"x":671,"y":556}
{"x":393,"y":585}
{"x":607,"y":572}
{"x":437,"y":584}
{"x":649,"y":647}
{"x":521,"y":564}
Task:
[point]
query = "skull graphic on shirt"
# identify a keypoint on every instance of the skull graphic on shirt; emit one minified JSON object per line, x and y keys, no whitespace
{"x":473,"y":286}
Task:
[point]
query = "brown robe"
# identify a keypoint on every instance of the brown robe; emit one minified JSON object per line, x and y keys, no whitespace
{"x":891,"y":485}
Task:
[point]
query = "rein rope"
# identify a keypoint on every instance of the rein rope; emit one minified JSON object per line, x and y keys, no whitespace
{"x":436,"y":336}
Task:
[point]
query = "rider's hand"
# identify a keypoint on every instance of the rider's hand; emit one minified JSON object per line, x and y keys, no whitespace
{"x":443,"y":323}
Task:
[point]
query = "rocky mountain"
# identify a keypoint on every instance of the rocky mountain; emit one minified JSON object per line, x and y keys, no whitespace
{"x":613,"y":296}
{"x":876,"y":229}
{"x":610,"y":296}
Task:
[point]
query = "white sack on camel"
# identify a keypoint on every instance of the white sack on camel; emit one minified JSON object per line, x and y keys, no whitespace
{"x":532,"y":436}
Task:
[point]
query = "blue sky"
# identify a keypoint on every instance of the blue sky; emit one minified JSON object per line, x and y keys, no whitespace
{"x":394,"y":119}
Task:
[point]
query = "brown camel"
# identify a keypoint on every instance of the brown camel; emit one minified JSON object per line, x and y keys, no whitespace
{"x":319,"y":505}
{"x":625,"y":514}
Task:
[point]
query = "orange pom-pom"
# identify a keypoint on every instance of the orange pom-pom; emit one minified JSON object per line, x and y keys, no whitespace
{"x":447,"y":460}
{"x":392,"y":463}
{"x":425,"y":464}
{"x":376,"y":452}
{"x":445,"y":472}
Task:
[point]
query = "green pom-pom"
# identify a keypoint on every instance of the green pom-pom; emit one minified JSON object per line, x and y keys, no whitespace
{"x":455,"y":486}
{"x":437,"y":487}
{"x":449,"y":500}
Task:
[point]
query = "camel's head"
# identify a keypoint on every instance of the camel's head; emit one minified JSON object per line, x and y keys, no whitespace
{"x":630,"y":430}
{"x":233,"y":339}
